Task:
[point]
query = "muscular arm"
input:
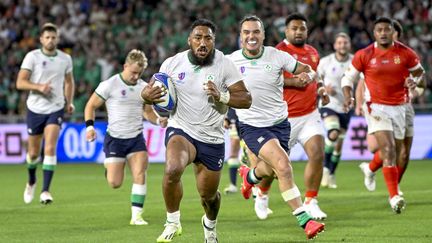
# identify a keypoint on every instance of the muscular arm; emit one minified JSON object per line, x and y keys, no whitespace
{"x":69,"y":88}
{"x":239,"y":96}
{"x":23,"y":83}
{"x":359,"y":96}
{"x":151,"y":116}
{"x":94,"y":102}
{"x":304,"y":74}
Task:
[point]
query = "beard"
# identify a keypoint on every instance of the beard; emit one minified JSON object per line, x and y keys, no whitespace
{"x":195,"y":60}
{"x":298,"y":43}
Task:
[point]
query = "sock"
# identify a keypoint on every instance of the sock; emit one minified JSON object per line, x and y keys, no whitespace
{"x":309,"y":195}
{"x":401,"y":171}
{"x":233,"y":175}
{"x":329,"y":147}
{"x":49,"y":165}
{"x":376,"y":162}
{"x":391,"y":179}
{"x":138,"y":195}
{"x":302,"y":217}
{"x":31,"y":168}
{"x":263,"y":190}
{"x":335,"y":158}
{"x":252,"y":178}
{"x":173,"y":217}
{"x":209,"y":223}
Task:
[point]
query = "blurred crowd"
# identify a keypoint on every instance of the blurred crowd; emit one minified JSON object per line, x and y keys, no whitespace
{"x":98,"y":34}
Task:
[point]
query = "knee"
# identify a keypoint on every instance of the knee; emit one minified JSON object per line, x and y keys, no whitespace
{"x":114,"y":184}
{"x":209,"y":198}
{"x":283,"y":168}
{"x":333,"y":135}
{"x":173,"y":172}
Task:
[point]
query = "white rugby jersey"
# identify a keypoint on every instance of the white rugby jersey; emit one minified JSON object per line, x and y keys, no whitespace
{"x":46,"y":69}
{"x":263,"y":77}
{"x":124,"y":106}
{"x":330,"y":70}
{"x":196,"y":113}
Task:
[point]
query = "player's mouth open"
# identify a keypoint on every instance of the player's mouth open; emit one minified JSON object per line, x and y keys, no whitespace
{"x":202,"y":51}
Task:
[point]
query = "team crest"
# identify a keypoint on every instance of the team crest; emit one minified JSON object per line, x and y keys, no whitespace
{"x":314,"y":58}
{"x":210,"y":77}
{"x":182,"y":75}
{"x":268,"y":68}
{"x":397,"y":60}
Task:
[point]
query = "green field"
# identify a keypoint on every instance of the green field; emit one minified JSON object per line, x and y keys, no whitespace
{"x":87,"y":210}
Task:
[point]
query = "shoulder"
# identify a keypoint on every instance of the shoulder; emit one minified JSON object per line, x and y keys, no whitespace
{"x":181,"y":56}
{"x":311,"y":49}
{"x":327,"y":58}
{"x":281,"y":45}
{"x":34,"y":53}
{"x":399,"y":46}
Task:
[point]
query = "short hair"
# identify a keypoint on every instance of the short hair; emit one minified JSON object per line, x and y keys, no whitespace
{"x":383,"y":20}
{"x":50,"y":27}
{"x":398,"y":28}
{"x":295,"y":16}
{"x":204,"y":22}
{"x":343,"y":35}
{"x":252,"y":18}
{"x":138,"y":57}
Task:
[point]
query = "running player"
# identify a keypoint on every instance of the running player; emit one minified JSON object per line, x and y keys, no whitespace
{"x":387,"y":65}
{"x":47,"y":74}
{"x":330,"y":70}
{"x":124,"y":139}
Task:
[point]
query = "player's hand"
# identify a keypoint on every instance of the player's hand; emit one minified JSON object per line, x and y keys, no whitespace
{"x":70,"y":108}
{"x":410,"y":83}
{"x":325,"y":99}
{"x":163,"y":121}
{"x":211,"y":90}
{"x":358,"y":110}
{"x":45,"y":88}
{"x":330,"y":90}
{"x":348,"y":104}
{"x":90,"y":134}
{"x":305,"y":78}
{"x":152,"y":94}
{"x":226,"y":123}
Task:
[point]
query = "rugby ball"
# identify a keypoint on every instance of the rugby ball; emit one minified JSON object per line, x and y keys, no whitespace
{"x":170,"y":98}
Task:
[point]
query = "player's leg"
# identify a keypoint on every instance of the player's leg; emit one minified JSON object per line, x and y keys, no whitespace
{"x":262,"y":190}
{"x":404,"y":156}
{"x":311,"y":137}
{"x":335,"y":159}
{"x":35,"y":128}
{"x":332,"y":126}
{"x":233,"y":163}
{"x":138,"y":163}
{"x":32,"y":159}
{"x":179,"y":153}
{"x":208,"y":175}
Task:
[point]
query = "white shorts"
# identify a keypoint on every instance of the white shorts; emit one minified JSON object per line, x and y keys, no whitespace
{"x":409,"y":120}
{"x":305,"y":127}
{"x":386,"y":118}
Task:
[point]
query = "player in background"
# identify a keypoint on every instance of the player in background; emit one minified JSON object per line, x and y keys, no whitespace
{"x":207,"y":83}
{"x":231,"y":123}
{"x":306,"y":124}
{"x":124,"y":141}
{"x":47,"y":74}
{"x":330,"y":70}
{"x":264,"y":126}
{"x":387,"y":65}
{"x":370,"y":168}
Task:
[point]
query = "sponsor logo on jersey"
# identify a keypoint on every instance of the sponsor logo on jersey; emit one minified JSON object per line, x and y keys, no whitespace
{"x":242,"y":69}
{"x":260,"y":139}
{"x":373,"y":61}
{"x":123,"y":92}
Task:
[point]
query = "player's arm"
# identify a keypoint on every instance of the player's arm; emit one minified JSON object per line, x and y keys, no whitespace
{"x":93,"y":103}
{"x":237,"y":96}
{"x":23,"y":83}
{"x":151,"y":116}
{"x":303,"y":75}
{"x":350,"y":76}
{"x":359,"y":97}
{"x":417,"y":81}
{"x":69,"y":90}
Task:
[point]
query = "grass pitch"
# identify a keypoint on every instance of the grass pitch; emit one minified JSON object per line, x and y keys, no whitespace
{"x":85,"y":209}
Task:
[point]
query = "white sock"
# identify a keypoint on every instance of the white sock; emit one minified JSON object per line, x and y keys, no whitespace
{"x":136,"y":211}
{"x":173,"y":217}
{"x":298,"y":210}
{"x":209,"y":223}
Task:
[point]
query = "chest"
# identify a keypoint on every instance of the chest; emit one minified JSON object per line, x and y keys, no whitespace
{"x":190,"y":80}
{"x":310,"y":58}
{"x":50,"y":65}
{"x":387,"y":64}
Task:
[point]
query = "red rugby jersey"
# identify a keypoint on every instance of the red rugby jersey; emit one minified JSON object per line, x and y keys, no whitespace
{"x":385,"y":71}
{"x":301,"y":101}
